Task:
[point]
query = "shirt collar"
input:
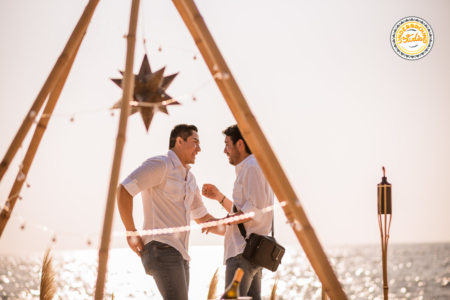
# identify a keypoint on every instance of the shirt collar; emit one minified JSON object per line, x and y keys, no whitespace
{"x":176,"y":161}
{"x":241,"y":165}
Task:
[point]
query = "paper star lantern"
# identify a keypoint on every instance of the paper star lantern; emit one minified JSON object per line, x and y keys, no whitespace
{"x":149,"y":88}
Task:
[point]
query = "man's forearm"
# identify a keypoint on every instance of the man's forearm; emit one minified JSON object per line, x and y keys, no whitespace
{"x":227,"y":204}
{"x":219,"y":230}
{"x":125,"y":206}
{"x":216,"y":230}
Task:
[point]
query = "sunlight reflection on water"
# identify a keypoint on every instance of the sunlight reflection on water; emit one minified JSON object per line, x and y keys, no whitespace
{"x":415,"y":272}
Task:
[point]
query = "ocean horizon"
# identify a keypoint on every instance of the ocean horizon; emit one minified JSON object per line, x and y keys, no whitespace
{"x":415,"y":271}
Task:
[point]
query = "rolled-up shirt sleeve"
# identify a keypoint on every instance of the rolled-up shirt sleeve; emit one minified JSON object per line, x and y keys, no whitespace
{"x":254,"y":193}
{"x":149,"y":174}
{"x":198,"y":208}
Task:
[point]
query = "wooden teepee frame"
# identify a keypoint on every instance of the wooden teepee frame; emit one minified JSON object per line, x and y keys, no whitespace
{"x":53,"y":85}
{"x":238,"y":106}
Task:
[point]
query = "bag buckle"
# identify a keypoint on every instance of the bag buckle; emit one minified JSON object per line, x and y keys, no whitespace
{"x":279,"y":252}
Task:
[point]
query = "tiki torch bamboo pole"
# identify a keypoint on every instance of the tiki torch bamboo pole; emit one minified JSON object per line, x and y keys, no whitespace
{"x":61,"y":63}
{"x":34,"y":144}
{"x":259,"y":146}
{"x":127,"y":86}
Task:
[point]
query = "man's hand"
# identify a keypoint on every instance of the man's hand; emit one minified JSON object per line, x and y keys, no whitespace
{"x":212,"y":192}
{"x":136,"y":244}
{"x":218,"y":229}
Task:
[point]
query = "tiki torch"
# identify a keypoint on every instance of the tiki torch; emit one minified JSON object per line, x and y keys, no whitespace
{"x":384,"y":220}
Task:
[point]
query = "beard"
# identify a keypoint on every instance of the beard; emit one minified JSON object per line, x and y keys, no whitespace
{"x":233,"y":158}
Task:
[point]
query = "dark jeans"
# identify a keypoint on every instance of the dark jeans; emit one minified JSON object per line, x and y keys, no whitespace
{"x":251,"y":281}
{"x":169,"y":269}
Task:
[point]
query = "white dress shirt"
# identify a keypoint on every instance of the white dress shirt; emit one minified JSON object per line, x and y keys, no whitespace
{"x":251,"y":193}
{"x":171,"y":198}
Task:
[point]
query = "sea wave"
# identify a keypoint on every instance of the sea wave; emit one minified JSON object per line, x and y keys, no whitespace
{"x":419,"y":271}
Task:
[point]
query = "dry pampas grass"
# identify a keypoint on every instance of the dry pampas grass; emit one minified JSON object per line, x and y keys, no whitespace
{"x":273,"y":295}
{"x":212,"y":292}
{"x":48,"y":283}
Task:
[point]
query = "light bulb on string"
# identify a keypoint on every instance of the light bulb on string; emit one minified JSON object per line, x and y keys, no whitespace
{"x":195,"y":57}
{"x":194,"y":99}
{"x":160,"y":48}
{"x":7,"y":205}
{"x":72,"y":119}
{"x":28,"y":185}
{"x":173,"y":231}
{"x":20,"y":177}
{"x":20,"y":198}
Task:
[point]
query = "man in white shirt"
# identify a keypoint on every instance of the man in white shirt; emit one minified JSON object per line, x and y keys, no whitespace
{"x":171,"y":198}
{"x":251,"y":193}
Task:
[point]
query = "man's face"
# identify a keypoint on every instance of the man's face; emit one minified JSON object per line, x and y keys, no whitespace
{"x":231,"y":151}
{"x":190,"y":148}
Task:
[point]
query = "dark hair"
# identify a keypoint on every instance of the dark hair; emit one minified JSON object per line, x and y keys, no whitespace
{"x":181,"y":130}
{"x":235,"y":135}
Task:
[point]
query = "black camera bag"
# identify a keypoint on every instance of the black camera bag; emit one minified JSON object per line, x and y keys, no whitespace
{"x":261,"y":250}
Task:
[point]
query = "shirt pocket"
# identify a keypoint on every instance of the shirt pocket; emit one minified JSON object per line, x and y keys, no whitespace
{"x":190,"y":194}
{"x":238,"y":192}
{"x":172,"y":190}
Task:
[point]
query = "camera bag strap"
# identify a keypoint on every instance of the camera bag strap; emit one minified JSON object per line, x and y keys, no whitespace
{"x":242,"y":228}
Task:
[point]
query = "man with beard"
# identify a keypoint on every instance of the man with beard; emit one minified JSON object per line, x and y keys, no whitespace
{"x":251,"y":193}
{"x":171,"y":198}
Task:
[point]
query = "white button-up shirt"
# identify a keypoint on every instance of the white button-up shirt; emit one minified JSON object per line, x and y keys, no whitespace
{"x":251,"y":193}
{"x":171,"y":198}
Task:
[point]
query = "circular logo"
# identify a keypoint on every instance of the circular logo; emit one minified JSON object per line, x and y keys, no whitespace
{"x":412,"y":38}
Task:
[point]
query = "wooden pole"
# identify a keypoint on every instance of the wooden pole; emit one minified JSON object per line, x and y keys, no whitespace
{"x":128,"y":87}
{"x":260,"y":147}
{"x":55,"y":74}
{"x":34,"y":144}
{"x":324,"y":295}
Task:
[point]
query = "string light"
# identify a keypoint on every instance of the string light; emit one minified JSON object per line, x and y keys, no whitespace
{"x":12,"y":197}
{"x":134,"y":103}
{"x":7,"y":205}
{"x":146,"y":104}
{"x":20,"y":176}
{"x":161,"y":45}
{"x":158,"y":231}
{"x":186,"y":228}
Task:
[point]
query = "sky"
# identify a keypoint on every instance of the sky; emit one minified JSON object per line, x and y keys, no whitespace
{"x":334,"y":100}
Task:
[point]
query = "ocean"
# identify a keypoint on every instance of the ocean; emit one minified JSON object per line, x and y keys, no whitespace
{"x":416,"y":271}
